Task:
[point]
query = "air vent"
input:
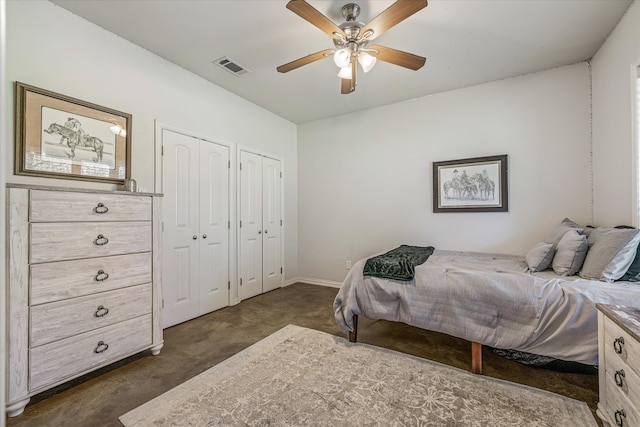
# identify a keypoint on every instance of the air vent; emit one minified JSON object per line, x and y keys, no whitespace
{"x":231,"y":66}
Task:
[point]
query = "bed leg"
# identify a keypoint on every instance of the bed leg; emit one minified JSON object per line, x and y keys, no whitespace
{"x":476,"y":358}
{"x":353,"y":335}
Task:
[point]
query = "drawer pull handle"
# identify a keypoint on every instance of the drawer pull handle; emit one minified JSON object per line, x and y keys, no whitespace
{"x":101,"y":240}
{"x":101,"y":311}
{"x":620,"y":416}
{"x":101,"y":347}
{"x":101,"y":276}
{"x":101,"y":209}
{"x":617,"y":345}
{"x":619,"y":377}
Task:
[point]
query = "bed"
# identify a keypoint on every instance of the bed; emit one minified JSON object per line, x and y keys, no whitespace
{"x":498,"y":300}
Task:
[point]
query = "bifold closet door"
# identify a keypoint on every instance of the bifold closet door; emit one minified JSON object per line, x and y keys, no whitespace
{"x":196,"y":227}
{"x":214,"y":227}
{"x":272,"y":225}
{"x":250,"y":225}
{"x":260,"y":225}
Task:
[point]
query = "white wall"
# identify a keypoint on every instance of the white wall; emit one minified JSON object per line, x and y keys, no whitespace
{"x":365,"y":178}
{"x":613,"y":140}
{"x":51,"y":48}
{"x":3,"y":175}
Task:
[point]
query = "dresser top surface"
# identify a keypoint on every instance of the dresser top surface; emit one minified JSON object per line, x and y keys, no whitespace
{"x":79,"y":190}
{"x":628,"y":318}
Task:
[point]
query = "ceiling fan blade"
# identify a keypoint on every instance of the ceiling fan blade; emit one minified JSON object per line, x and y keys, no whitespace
{"x":305,"y":60}
{"x":349,"y":85}
{"x":394,"y":14}
{"x":309,"y":13}
{"x":398,"y":57}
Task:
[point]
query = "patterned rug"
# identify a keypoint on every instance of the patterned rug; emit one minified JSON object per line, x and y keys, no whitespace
{"x":301,"y":377}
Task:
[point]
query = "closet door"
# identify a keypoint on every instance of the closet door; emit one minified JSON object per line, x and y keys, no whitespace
{"x":180,"y":210}
{"x":271,"y":224}
{"x":260,"y":225}
{"x":196,"y":227}
{"x":214,"y":227}
{"x":250,"y":225}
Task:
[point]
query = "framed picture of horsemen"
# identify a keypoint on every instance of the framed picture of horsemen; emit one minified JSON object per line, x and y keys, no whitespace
{"x":62,"y":137}
{"x":478,"y":184}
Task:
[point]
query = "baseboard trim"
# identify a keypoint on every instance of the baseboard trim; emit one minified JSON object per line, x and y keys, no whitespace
{"x":313,"y":281}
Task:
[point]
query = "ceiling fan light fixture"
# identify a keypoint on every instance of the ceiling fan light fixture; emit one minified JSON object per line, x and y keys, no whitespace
{"x":366,"y":61}
{"x":342,"y":57}
{"x":345,"y":72}
{"x":367,"y":34}
{"x":351,"y":39}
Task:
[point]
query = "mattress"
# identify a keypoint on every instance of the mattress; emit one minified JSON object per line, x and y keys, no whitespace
{"x":489,"y":298}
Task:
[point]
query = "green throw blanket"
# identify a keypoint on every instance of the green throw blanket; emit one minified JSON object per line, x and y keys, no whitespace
{"x":399,"y":263}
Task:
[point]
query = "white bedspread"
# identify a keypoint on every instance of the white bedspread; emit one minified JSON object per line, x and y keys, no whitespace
{"x":491,"y":299}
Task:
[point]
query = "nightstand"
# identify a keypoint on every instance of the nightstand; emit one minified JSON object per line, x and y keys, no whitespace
{"x":619,"y":365}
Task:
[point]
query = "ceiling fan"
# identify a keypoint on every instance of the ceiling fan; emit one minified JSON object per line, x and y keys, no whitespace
{"x":351,"y":39}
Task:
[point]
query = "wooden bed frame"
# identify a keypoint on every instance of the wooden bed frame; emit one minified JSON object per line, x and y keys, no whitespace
{"x":476,"y":348}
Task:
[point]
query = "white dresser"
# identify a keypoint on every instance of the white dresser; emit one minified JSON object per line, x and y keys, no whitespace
{"x":619,"y":368}
{"x":84,"y":284}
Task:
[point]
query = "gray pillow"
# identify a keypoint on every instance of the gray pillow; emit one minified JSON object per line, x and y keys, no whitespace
{"x":570,"y":253}
{"x":561,"y":230}
{"x":611,"y":252}
{"x":539,"y":257}
{"x":586,"y":229}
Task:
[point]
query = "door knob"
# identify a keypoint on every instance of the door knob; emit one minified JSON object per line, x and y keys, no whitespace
{"x":204,"y":236}
{"x":259,"y":231}
{"x":266,"y":231}
{"x":195,"y":237}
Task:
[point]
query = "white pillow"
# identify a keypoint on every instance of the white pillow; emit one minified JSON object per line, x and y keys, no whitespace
{"x":611,"y":252}
{"x":539,"y":257}
{"x":570,"y":253}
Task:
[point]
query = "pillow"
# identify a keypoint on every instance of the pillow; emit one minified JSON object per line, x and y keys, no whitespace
{"x":539,"y":257}
{"x":570,"y":223}
{"x":570,"y":253}
{"x":633,"y":273}
{"x":587,"y":229}
{"x":561,"y":230}
{"x":611,"y":252}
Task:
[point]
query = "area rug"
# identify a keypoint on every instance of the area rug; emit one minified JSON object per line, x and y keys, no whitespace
{"x":303,"y":377}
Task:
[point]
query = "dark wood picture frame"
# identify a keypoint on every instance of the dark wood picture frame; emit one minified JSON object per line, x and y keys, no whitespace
{"x":57,"y":136}
{"x":478,"y":184}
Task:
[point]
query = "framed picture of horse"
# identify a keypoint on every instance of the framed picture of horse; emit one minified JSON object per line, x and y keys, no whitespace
{"x":62,"y":137}
{"x":478,"y":184}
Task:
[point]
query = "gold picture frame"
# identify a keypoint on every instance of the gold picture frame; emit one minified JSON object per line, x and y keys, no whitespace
{"x":62,"y":137}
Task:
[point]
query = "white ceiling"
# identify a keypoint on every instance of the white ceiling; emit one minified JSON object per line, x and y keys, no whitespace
{"x":466,"y":42}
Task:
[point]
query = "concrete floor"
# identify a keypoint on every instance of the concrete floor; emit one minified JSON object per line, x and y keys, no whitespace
{"x":99,"y":398}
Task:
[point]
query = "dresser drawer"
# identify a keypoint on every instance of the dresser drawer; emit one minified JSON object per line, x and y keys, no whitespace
{"x":55,"y":281}
{"x":62,"y":319}
{"x":61,"y":206}
{"x":616,"y":339}
{"x":64,"y":241}
{"x":617,"y":402}
{"x":618,"y":372}
{"x":59,"y":360}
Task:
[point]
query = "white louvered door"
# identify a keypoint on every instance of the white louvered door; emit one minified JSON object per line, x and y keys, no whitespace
{"x":196,"y":227}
